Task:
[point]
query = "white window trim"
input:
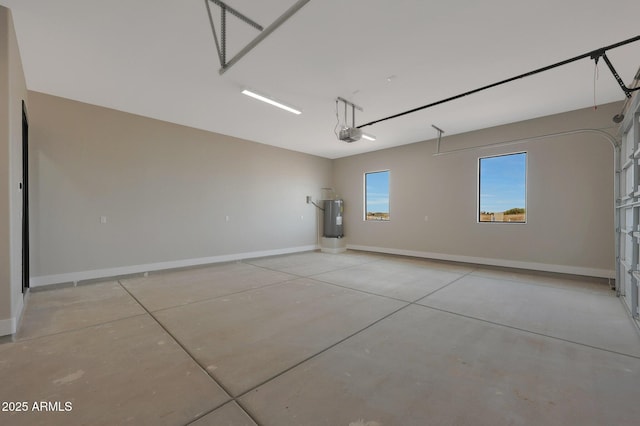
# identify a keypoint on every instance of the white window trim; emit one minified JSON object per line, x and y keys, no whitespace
{"x":364,"y":196}
{"x":526,"y":187}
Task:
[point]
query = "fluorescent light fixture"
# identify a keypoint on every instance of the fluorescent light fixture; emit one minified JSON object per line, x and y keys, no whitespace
{"x":368,"y":137}
{"x":271,"y":101}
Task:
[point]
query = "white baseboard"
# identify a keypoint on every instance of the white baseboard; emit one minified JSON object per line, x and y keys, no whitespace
{"x":333,"y":250}
{"x":546,"y":267}
{"x":8,"y":326}
{"x":138,"y":269}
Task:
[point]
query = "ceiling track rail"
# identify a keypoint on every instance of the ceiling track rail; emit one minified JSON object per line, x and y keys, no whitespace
{"x":594,"y":54}
{"x":221,"y":44}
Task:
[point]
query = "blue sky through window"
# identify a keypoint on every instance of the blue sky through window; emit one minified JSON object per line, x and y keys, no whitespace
{"x":503,"y":182}
{"x":377,"y":192}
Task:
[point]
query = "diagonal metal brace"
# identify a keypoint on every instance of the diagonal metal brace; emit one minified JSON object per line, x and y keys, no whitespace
{"x":237,"y":14}
{"x":221,"y":45}
{"x":627,"y":90}
{"x":602,"y":53}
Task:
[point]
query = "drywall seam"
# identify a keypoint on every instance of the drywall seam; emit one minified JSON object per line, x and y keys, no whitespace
{"x":546,"y":267}
{"x":137,"y":269}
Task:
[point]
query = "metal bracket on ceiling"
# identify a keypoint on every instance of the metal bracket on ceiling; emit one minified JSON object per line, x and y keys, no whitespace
{"x":440,"y":133}
{"x":353,"y":106}
{"x":221,"y":45}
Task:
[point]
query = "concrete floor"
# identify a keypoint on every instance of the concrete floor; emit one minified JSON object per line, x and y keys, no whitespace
{"x":352,"y":339}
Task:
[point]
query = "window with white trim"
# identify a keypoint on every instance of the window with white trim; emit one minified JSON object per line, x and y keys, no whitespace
{"x":376,"y":196}
{"x":502,"y":188}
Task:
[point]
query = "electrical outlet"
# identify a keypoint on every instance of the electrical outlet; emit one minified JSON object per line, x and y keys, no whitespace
{"x":103,"y":219}
{"x":308,"y":199}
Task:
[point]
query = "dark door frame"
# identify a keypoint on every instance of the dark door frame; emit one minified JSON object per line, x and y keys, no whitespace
{"x":25,"y":198}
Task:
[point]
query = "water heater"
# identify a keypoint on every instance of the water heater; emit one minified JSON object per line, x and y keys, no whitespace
{"x":333,"y":218}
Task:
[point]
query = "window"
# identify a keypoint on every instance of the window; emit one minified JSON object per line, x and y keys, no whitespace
{"x":376,"y":196}
{"x":502,"y":188}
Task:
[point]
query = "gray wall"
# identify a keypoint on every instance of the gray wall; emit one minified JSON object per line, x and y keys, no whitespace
{"x":570,"y":198}
{"x":166,"y":191}
{"x":12,"y":92}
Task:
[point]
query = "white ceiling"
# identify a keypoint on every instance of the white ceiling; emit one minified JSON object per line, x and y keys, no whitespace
{"x":157,"y":58}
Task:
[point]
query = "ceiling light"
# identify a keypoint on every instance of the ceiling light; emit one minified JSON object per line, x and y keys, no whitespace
{"x":368,"y":137}
{"x":271,"y":101}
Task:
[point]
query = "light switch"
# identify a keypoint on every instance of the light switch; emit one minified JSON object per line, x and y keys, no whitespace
{"x":103,"y":219}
